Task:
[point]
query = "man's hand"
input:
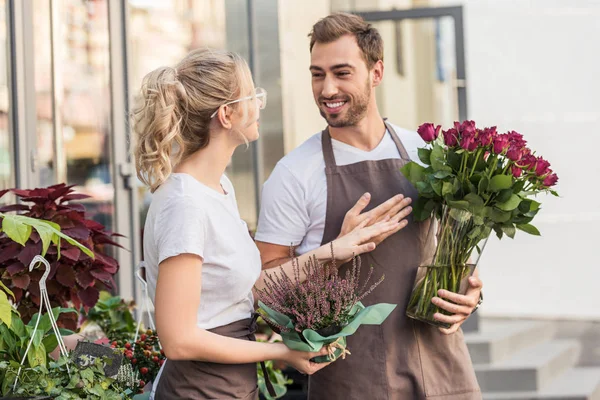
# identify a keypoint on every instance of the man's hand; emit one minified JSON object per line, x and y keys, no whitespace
{"x":395,"y":209}
{"x":461,"y":307}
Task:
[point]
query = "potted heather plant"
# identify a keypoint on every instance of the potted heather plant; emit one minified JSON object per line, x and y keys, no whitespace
{"x":78,"y":273}
{"x":474,"y":181}
{"x":323,"y":310}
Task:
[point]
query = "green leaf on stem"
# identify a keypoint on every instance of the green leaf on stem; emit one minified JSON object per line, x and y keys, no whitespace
{"x":475,"y":232}
{"x":554,"y":193}
{"x":459,"y":204}
{"x":478,"y":220}
{"x":509,"y":230}
{"x":453,"y":160}
{"x":442,"y":174}
{"x":447,"y":188}
{"x":498,"y":231}
{"x":436,"y":185}
{"x":413,"y":172}
{"x":424,"y":188}
{"x":459,"y":215}
{"x":5,"y":309}
{"x":425,"y":156}
{"x":500,"y":182}
{"x":503,"y":196}
{"x":484,"y":183}
{"x":528,"y":228}
{"x":438,"y":161}
{"x":475,"y":201}
{"x":16,"y":229}
{"x":510,"y":204}
{"x":498,"y":216}
{"x":519,"y":185}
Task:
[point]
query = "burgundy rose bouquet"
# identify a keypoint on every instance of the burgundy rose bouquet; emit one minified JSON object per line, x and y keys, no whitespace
{"x":323,"y":310}
{"x":474,"y":181}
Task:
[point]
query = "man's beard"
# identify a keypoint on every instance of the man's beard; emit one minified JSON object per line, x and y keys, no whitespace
{"x":355,"y":113}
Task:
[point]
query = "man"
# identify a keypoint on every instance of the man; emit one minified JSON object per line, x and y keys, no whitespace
{"x":307,"y":197}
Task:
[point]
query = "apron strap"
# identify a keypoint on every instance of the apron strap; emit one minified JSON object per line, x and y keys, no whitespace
{"x":327,"y":149}
{"x":268,"y":383}
{"x":327,"y":146}
{"x":401,"y":149}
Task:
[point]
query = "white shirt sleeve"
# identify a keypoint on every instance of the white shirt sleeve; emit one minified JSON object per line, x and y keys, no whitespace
{"x":180,"y":229}
{"x":283,"y":218}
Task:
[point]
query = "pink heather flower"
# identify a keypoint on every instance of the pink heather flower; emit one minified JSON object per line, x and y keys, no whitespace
{"x":501,"y":144}
{"x":542,"y":167}
{"x":429,"y":132}
{"x":450,"y":137}
{"x":550,"y":180}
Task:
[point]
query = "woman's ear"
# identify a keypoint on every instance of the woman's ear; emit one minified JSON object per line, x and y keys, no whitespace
{"x":224,"y":117}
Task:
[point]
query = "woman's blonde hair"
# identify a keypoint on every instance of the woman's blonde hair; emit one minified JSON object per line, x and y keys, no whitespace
{"x":172,"y":115}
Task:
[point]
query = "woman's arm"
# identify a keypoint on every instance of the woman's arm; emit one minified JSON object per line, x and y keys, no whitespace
{"x":354,"y":243}
{"x":177,"y":300}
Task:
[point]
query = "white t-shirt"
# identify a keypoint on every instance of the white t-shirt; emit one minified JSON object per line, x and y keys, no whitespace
{"x":294,"y":198}
{"x":186,"y":216}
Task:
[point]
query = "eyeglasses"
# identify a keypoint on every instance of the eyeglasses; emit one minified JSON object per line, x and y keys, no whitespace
{"x":260,"y":95}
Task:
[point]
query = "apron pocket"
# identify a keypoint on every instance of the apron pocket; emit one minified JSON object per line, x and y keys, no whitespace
{"x":445,"y":364}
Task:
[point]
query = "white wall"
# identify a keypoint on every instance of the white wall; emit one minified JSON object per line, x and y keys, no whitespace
{"x":533,"y":66}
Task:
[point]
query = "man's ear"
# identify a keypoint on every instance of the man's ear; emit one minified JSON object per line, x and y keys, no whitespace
{"x":377,"y":73}
{"x":224,"y":118}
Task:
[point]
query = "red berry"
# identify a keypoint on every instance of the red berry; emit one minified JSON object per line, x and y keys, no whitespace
{"x":155,"y":359}
{"x":143,"y":337}
{"x":114,"y":343}
{"x":161,"y":362}
{"x":142,"y":383}
{"x":144,"y":370}
{"x":134,"y":361}
{"x":127,"y":345}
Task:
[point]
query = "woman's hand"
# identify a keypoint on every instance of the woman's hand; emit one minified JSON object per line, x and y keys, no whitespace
{"x":300,"y":360}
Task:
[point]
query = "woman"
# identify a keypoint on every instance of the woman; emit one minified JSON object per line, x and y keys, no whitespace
{"x":201,"y":262}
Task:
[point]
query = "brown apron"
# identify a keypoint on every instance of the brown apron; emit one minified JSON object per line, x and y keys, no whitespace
{"x":400,"y":359}
{"x":187,"y":379}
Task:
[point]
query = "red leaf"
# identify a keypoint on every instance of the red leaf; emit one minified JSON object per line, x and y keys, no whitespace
{"x":75,"y":299}
{"x":54,"y":287}
{"x":110,"y":264}
{"x":101,"y":275}
{"x":76,"y":207}
{"x":64,"y":221}
{"x":90,"y":223}
{"x":58,"y":192}
{"x":89,"y":296}
{"x":29,"y":251}
{"x":66,"y":276}
{"x":35,"y":237}
{"x":10,"y":251}
{"x":21,"y":192}
{"x":15,"y":268}
{"x":3,"y":192}
{"x":72,"y":253}
{"x":85,"y":278}
{"x":14,"y":207}
{"x":75,"y":196}
{"x":78,"y":233}
{"x":21,"y":281}
{"x":18,"y":294}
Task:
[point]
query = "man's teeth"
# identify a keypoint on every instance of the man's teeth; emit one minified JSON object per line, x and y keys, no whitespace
{"x":335,"y":105}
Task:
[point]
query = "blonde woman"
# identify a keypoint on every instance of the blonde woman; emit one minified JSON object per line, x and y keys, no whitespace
{"x":202,"y":263}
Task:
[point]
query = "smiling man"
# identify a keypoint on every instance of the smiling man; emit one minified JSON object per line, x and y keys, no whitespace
{"x":305,"y":203}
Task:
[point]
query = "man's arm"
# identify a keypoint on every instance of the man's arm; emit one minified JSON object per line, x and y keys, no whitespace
{"x":273,"y":255}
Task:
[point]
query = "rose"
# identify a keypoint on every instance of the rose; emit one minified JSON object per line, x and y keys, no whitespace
{"x":429,"y":132}
{"x":466,"y":127}
{"x":514,"y":153}
{"x":528,"y":161}
{"x":450,"y":137}
{"x":516,"y":171}
{"x":501,"y":144}
{"x":468,"y":141}
{"x":542,"y":167}
{"x":486,"y":136}
{"x":550,"y":180}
